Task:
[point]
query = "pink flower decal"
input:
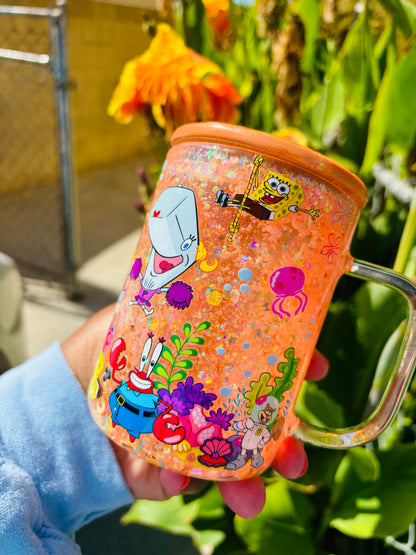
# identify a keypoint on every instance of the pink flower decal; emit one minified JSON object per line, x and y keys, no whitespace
{"x":215,"y":452}
{"x":332,"y":249}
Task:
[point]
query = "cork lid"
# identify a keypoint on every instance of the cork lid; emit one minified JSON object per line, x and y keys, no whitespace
{"x":305,"y":159}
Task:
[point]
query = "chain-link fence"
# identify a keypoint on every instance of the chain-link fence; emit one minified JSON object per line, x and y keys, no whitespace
{"x":36,"y":206}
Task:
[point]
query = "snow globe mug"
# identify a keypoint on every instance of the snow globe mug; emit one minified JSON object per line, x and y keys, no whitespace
{"x":227,"y":291}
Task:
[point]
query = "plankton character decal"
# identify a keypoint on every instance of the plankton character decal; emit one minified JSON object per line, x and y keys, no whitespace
{"x":173,"y":232}
{"x":275,"y":197}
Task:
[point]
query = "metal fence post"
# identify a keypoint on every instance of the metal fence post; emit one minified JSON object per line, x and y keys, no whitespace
{"x":70,"y":213}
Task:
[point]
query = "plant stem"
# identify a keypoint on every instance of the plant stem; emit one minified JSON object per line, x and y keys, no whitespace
{"x":407,"y":241}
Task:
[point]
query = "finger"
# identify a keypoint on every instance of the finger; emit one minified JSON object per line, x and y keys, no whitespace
{"x":290,"y":460}
{"x":245,"y":497}
{"x":318,"y":367}
{"x":172,"y":482}
{"x":194,"y":486}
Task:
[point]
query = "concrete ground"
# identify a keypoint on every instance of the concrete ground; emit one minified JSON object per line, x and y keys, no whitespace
{"x":109,"y":228}
{"x":49,"y":316}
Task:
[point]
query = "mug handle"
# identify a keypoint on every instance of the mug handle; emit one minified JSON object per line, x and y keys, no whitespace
{"x":399,"y":380}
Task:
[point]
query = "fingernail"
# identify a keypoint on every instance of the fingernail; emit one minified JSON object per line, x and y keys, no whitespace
{"x":186,"y":482}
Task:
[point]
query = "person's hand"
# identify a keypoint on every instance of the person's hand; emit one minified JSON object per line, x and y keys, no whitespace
{"x":146,"y":481}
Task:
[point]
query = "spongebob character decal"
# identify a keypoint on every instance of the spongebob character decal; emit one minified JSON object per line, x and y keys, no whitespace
{"x":275,"y":197}
{"x":174,"y":235}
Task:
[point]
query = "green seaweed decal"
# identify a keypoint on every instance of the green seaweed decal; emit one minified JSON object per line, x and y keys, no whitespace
{"x":288,"y":374}
{"x":282,"y":383}
{"x":258,"y":389}
{"x":180,"y":361}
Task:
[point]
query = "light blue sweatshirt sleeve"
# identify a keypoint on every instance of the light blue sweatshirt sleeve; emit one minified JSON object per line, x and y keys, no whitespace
{"x":57,"y":469}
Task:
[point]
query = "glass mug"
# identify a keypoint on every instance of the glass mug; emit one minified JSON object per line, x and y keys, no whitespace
{"x":213,"y":332}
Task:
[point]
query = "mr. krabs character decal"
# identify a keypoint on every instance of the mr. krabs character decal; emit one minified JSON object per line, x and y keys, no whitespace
{"x":133,"y":404}
{"x":288,"y":282}
{"x":275,"y":197}
{"x":173,"y":233}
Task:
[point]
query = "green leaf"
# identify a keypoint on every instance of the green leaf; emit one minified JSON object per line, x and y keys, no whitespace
{"x":203,"y":326}
{"x":171,"y":515}
{"x":176,"y":341}
{"x":207,"y":540}
{"x":386,"y":363}
{"x":180,"y":375}
{"x":184,"y":364}
{"x":189,"y":352}
{"x":211,"y":504}
{"x":378,"y":123}
{"x":187,"y":329}
{"x":359,"y":68}
{"x":329,"y":110}
{"x":160,"y":371}
{"x":318,"y":408}
{"x":401,"y":127}
{"x":158,"y":385}
{"x":309,"y":12}
{"x":403,"y":14}
{"x":384,"y":507}
{"x":197,"y":340}
{"x":288,"y":374}
{"x":257,"y":389}
{"x":365,"y":464}
{"x":167,"y":354}
{"x":396,"y":100}
{"x":283,"y":525}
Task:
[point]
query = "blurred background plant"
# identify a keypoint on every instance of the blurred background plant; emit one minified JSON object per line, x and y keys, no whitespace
{"x":339,"y":76}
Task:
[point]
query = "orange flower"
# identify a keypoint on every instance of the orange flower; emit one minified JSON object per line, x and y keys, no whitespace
{"x":218,"y":12}
{"x":180,"y":85}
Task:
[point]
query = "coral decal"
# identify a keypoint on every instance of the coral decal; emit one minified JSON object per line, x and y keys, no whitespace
{"x":288,"y":282}
{"x":179,"y":362}
{"x":215,"y":452}
{"x":333,"y":247}
{"x":345,"y":215}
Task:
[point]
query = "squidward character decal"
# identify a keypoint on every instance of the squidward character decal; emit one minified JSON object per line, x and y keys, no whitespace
{"x":173,"y":232}
{"x":275,"y":197}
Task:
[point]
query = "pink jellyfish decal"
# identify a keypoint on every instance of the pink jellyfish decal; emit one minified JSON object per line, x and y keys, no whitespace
{"x":288,"y":282}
